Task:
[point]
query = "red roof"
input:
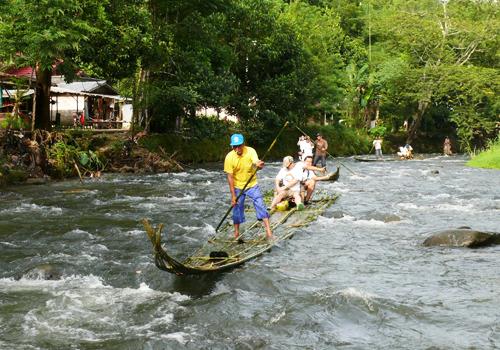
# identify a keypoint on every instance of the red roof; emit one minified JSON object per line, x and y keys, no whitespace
{"x":26,"y":72}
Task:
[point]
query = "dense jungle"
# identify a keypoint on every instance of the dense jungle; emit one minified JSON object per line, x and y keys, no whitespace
{"x":409,"y":71}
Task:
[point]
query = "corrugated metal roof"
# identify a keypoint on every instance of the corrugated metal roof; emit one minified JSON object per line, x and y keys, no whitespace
{"x":60,"y":90}
{"x":57,"y":90}
{"x":83,"y":86}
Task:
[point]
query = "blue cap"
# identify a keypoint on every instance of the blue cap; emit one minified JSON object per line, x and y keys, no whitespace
{"x":237,"y":139}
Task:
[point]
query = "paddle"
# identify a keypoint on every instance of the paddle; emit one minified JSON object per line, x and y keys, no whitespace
{"x":251,"y":177}
{"x":302,"y":131}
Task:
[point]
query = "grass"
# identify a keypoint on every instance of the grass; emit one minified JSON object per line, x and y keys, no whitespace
{"x":489,"y":158}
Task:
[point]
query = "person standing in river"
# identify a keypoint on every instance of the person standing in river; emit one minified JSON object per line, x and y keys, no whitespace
{"x":321,"y":150}
{"x":241,"y":165}
{"x":447,"y":146}
{"x":377,"y":143}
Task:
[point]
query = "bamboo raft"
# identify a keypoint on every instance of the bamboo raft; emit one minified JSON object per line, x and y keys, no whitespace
{"x":375,"y":159}
{"x":222,"y":252}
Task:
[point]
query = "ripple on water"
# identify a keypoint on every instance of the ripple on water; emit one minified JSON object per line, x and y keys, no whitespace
{"x":84,"y":308}
{"x":32,"y":208}
{"x":355,"y":278}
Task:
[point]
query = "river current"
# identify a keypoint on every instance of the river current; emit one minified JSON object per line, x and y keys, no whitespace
{"x":356,"y":278}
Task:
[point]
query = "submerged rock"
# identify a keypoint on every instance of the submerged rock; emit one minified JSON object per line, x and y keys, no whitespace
{"x":462,"y":237}
{"x":384,"y":217}
{"x":42,"y":272}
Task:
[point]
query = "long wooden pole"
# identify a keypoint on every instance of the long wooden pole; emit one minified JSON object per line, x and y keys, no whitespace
{"x":251,"y":177}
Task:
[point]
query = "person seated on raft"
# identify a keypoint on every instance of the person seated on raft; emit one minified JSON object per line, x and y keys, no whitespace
{"x":309,"y":178}
{"x":290,"y":175}
{"x":406,"y":152}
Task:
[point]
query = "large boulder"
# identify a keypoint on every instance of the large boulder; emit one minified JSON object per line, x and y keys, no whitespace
{"x":462,"y":237}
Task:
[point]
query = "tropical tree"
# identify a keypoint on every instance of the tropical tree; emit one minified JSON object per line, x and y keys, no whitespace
{"x":319,"y":30}
{"x":43,"y":34}
{"x":433,"y":38}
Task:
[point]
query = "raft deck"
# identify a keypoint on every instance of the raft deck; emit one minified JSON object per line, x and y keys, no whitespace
{"x":222,"y":252}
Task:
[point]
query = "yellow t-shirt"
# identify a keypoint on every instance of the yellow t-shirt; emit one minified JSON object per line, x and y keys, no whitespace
{"x":242,"y":167}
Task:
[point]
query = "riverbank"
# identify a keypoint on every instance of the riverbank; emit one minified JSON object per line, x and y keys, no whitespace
{"x":43,"y":156}
{"x":489,"y":159}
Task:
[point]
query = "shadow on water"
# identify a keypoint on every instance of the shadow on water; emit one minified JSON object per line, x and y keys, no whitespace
{"x":196,"y":286}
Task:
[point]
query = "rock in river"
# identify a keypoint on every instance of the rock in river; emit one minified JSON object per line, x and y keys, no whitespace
{"x":462,"y":237}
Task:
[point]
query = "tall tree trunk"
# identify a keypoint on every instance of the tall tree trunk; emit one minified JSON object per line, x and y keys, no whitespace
{"x":417,"y":120}
{"x":145,"y":97}
{"x":136,"y":98}
{"x":33,"y":114}
{"x":143,"y":119}
{"x":42,"y":91}
{"x":33,"y":106}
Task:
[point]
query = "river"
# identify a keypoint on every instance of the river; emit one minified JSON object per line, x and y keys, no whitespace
{"x":357,"y":278}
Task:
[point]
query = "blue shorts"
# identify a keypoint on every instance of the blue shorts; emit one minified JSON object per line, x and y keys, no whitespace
{"x":258,"y":202}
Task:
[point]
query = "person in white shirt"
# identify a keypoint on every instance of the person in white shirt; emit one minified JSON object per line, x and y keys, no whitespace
{"x":406,"y":152}
{"x":300,"y":143}
{"x":290,"y":176}
{"x":377,"y":143}
{"x":309,"y":178}
{"x":306,"y":147}
{"x":289,"y":179}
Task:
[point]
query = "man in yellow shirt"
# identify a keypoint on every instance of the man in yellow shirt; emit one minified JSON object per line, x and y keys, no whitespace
{"x":240,"y":166}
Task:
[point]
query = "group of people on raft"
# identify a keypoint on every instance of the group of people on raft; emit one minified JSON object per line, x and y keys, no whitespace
{"x":295,"y":181}
{"x":406,"y":151}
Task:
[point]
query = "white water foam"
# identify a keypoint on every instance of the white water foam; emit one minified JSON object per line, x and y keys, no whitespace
{"x":8,"y":244}
{"x":84,"y":308}
{"x":186,"y":198}
{"x":436,"y":196}
{"x":440,"y":206}
{"x":80,"y":234}
{"x":147,"y":206}
{"x":25,"y":208}
{"x":178,"y":336}
{"x":351,"y":294}
{"x":135,"y":232}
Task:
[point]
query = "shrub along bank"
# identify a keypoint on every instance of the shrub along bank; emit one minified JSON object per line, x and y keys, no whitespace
{"x":88,"y":153}
{"x":191,"y":149}
{"x":489,"y":158}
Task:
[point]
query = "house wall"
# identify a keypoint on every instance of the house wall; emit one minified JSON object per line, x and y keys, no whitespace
{"x":66,"y":106}
{"x":126,"y":110}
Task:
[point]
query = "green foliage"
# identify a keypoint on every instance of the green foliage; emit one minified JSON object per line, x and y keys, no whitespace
{"x":13,"y":122}
{"x":90,"y":160}
{"x":44,"y":31}
{"x":490,"y":158}
{"x":433,"y":63}
{"x":12,"y":176}
{"x":207,"y":128}
{"x":187,"y":150}
{"x":378,"y":131}
{"x":61,"y":159}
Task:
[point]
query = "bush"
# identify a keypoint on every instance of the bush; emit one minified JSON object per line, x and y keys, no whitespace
{"x":378,"y":131}
{"x":61,"y":159}
{"x":13,"y":122}
{"x":489,"y":158}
